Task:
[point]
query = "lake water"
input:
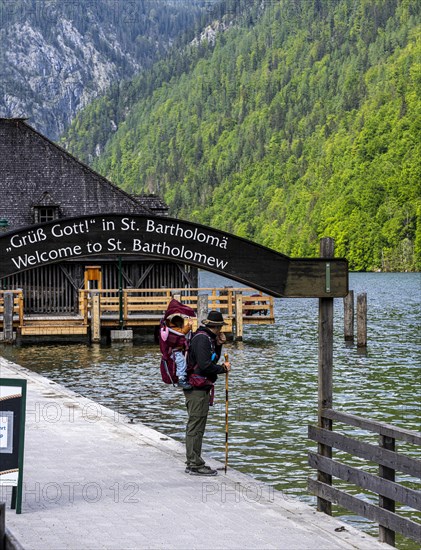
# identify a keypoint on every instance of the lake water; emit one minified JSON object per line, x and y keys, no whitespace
{"x":273,"y":384}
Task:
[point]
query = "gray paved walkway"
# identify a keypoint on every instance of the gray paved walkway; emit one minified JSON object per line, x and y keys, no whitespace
{"x":93,"y":481}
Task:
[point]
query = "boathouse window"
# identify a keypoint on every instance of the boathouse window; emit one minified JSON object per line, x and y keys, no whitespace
{"x":45,"y":213}
{"x":46,"y":208}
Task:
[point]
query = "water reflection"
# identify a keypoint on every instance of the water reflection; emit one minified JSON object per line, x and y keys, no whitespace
{"x":273,"y":386}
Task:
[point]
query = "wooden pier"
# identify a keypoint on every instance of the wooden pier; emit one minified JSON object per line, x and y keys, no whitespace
{"x":109,"y":483}
{"x":108,"y":309}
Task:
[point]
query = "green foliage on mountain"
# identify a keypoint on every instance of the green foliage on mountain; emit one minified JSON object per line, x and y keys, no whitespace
{"x":91,"y":130}
{"x":302,"y":121}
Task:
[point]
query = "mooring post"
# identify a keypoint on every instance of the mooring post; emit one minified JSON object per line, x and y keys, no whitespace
{"x":325,"y":367}
{"x":95,"y":318}
{"x":8,"y":317}
{"x":202,"y":307}
{"x":362,"y":320}
{"x":238,"y":335}
{"x":349,"y":317}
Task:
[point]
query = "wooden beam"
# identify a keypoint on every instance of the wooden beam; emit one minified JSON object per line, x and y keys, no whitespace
{"x":9,"y":305}
{"x":372,"y":512}
{"x":365,"y":480}
{"x":385,"y":501}
{"x":238,"y":316}
{"x":202,"y":307}
{"x":362,"y":320}
{"x":372,"y":453}
{"x":375,"y":426}
{"x":325,"y":366}
{"x":96,"y":318}
{"x":349,"y":317}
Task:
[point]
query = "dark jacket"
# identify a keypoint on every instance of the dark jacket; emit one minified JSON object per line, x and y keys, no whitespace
{"x":201,"y":349}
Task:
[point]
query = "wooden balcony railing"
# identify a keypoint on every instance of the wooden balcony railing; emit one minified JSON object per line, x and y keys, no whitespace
{"x":137,"y":306}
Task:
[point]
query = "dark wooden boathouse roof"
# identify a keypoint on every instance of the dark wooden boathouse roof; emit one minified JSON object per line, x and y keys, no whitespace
{"x":36,"y":173}
{"x":39,"y":182}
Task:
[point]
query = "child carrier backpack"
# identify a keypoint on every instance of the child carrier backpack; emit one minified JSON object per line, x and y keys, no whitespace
{"x":170,"y":339}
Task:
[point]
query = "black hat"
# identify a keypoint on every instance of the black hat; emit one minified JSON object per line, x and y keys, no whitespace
{"x":214,"y":319}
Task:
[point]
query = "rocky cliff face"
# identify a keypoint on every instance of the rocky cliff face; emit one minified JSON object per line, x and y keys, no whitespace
{"x":57,"y":55}
{"x":48,"y":82}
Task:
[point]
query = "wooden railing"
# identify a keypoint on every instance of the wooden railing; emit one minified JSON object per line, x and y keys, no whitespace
{"x":389,"y":460}
{"x":152,"y":303}
{"x":17,"y":305}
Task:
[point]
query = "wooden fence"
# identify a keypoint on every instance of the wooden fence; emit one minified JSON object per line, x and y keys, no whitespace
{"x":389,"y":460}
{"x":130,"y":308}
{"x":139,"y":307}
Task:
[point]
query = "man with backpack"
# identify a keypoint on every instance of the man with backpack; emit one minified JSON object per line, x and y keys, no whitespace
{"x":203,"y":369}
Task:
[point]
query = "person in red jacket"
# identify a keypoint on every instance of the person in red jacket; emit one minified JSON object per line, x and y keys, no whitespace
{"x":203,"y":356}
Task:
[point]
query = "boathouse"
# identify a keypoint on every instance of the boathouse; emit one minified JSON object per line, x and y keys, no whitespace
{"x":41,"y":182}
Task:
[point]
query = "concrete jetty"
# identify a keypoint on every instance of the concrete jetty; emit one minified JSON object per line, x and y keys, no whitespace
{"x":92,"y":480}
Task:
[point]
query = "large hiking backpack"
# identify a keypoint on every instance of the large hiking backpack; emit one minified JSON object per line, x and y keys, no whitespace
{"x":170,"y":339}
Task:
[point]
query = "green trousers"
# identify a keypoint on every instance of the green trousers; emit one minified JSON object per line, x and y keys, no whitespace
{"x":197,"y":403}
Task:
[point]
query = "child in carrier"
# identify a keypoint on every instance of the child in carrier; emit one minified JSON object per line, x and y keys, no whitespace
{"x":174,"y":340}
{"x":176,"y":324}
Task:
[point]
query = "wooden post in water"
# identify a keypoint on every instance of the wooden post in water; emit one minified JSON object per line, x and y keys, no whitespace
{"x":8,"y":317}
{"x":362,"y":320}
{"x":387,"y":535}
{"x":238,"y":335}
{"x":95,"y":318}
{"x":349,"y":317}
{"x":325,"y":367}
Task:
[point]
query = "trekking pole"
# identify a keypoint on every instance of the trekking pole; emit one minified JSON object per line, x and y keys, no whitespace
{"x":226,"y":415}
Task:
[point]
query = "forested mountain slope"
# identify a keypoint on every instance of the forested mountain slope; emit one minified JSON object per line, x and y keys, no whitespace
{"x":57,"y":55}
{"x":300,"y":122}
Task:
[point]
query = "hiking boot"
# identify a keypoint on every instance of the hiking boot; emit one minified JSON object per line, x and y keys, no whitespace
{"x":188,"y":468}
{"x":182,"y":383}
{"x":202,"y":471}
